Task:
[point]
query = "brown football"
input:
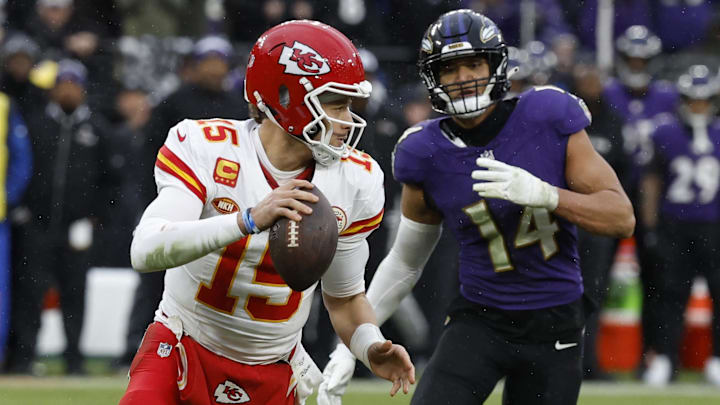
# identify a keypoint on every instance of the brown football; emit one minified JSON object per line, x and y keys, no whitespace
{"x":302,"y":251}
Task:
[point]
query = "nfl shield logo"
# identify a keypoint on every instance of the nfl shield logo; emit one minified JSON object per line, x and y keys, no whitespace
{"x":164,"y":349}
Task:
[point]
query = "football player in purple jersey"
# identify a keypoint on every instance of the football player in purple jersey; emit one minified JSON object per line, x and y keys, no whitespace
{"x":681,"y":206}
{"x":637,"y":96}
{"x":636,"y":93}
{"x":511,"y":179}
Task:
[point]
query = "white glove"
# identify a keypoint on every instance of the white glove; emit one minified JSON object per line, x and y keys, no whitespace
{"x":336,"y":376}
{"x":514,"y":184}
{"x":306,"y":373}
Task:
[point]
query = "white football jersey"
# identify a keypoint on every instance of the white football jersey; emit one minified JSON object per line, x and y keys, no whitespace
{"x":232,"y":301}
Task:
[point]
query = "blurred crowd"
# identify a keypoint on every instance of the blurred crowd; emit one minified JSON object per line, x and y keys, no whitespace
{"x":93,"y":87}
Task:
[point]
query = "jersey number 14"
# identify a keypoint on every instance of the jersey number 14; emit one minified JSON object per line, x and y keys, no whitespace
{"x":535,"y":227}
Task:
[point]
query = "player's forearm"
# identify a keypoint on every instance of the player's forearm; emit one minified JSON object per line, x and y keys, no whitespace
{"x":402,"y":267}
{"x":390,"y":285}
{"x":160,"y":244}
{"x":606,"y":212}
{"x":346,"y":314}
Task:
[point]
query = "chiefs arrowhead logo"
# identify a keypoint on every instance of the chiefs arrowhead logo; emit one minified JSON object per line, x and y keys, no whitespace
{"x":180,"y":136}
{"x":303,"y":60}
{"x":230,"y":393}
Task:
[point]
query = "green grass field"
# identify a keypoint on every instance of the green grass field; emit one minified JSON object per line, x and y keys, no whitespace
{"x":107,"y":387}
{"x":108,"y":390}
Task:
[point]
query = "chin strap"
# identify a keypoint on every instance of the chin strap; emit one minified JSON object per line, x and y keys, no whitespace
{"x":320,"y":152}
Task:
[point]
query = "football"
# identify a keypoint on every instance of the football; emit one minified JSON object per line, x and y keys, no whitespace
{"x":302,"y":251}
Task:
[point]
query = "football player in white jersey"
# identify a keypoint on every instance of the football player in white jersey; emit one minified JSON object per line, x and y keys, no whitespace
{"x":228,"y":328}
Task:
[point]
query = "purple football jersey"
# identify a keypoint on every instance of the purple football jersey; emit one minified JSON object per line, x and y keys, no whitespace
{"x":661,"y":97}
{"x":690,"y":177}
{"x":637,"y":114}
{"x":511,"y":257}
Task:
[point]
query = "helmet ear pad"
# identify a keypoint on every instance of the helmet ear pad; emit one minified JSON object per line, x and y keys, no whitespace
{"x":313,"y":130}
{"x":284,"y":96}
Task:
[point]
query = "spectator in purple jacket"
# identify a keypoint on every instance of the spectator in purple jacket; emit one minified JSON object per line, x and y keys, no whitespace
{"x":513,"y":16}
{"x":683,"y":23}
{"x":625,"y":14}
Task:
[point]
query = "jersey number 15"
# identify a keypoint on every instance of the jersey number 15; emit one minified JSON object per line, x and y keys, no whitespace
{"x":217,"y":294}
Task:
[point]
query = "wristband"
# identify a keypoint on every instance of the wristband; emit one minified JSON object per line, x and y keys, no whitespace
{"x":365,"y":336}
{"x":249,"y":223}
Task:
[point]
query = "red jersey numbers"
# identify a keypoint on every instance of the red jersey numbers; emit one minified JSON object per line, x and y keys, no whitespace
{"x":217,"y":294}
{"x":226,"y":172}
{"x":259,"y":308}
{"x":359,"y":158}
{"x":217,"y":130}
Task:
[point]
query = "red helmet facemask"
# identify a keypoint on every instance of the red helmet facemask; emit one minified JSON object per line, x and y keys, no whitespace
{"x":290,"y":67}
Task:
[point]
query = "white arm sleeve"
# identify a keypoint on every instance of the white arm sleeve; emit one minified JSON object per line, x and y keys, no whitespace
{"x":402,"y":267}
{"x":346,"y":275}
{"x":170,"y":233}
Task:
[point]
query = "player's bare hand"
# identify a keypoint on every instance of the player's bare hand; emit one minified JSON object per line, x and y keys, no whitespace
{"x":284,"y":201}
{"x":392,"y":362}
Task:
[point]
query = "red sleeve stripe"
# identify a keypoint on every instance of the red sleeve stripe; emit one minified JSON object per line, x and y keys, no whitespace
{"x":170,"y":163}
{"x":365,"y":225}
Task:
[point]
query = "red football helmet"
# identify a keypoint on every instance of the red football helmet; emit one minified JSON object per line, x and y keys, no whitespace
{"x":291,"y":65}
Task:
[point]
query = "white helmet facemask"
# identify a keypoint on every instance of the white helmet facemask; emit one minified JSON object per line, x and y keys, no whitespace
{"x":469,"y":106}
{"x":317,"y":134}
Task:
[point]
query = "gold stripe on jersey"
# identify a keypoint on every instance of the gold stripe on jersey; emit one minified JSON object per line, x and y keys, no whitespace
{"x":365,"y":225}
{"x":170,"y":163}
